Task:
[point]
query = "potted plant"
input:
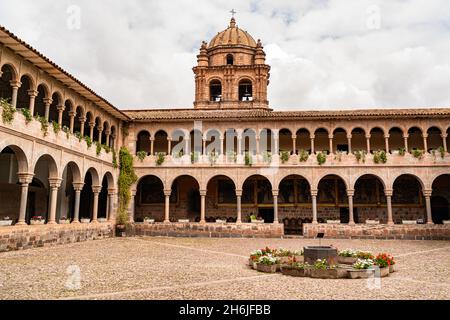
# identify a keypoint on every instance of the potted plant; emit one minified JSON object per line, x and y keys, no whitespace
{"x":303,"y":156}
{"x":365,"y":255}
{"x":6,"y":221}
{"x":213,"y":156}
{"x":322,"y":270}
{"x":360,"y":156}
{"x":267,"y":264}
{"x":248,"y":159}
{"x":380,"y":157}
{"x":294,"y":268}
{"x":402,"y":151}
{"x":382,"y":260}
{"x":149,"y":220}
{"x":347,"y":256}
{"x":284,"y":156}
{"x":418,"y":153}
{"x":141,"y":155}
{"x":362,"y":269}
{"x":37,"y":220}
{"x":267,"y":157}
{"x":231,"y":156}
{"x":254,"y":256}
{"x":321,"y":158}
{"x":392,"y":265}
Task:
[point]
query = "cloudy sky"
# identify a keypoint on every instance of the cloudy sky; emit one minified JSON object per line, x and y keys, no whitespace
{"x":324,"y":54}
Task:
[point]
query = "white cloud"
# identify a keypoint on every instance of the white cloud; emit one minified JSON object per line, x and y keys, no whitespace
{"x":139,"y":54}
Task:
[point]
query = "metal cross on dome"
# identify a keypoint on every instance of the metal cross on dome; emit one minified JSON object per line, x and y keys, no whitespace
{"x":233,"y":12}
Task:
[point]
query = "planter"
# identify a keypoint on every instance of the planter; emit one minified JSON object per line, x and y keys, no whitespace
{"x":333,"y":221}
{"x":266,"y":268}
{"x":102,"y":220}
{"x":258,"y":221}
{"x":250,"y":263}
{"x":5,"y":223}
{"x":409,"y":222}
{"x":392,"y":268}
{"x":328,"y":273}
{"x":361,"y":274}
{"x":372,"y":222}
{"x":446,"y":221}
{"x":85,"y":220}
{"x":37,"y":222}
{"x":347,"y":260}
{"x":64,"y":221}
{"x":294,"y":272}
{"x":255,"y":265}
{"x":221,"y":221}
{"x":149,"y":221}
{"x":183,"y":220}
{"x":384,"y":272}
{"x":284,"y":260}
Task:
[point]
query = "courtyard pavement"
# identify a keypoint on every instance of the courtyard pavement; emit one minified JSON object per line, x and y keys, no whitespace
{"x":196,"y":268}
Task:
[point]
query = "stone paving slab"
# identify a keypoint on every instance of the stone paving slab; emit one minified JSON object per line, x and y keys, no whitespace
{"x":199,"y":268}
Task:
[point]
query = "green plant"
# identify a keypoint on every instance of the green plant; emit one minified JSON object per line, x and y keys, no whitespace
{"x":380,"y":156}
{"x":114,"y":159}
{"x":418,"y":153}
{"x":56,"y":127}
{"x":44,"y":125}
{"x":98,"y":148}
{"x":441,"y":150}
{"x":267,"y":157}
{"x":127,"y":177}
{"x":364,"y":255}
{"x":304,"y":155}
{"x":321,"y":157}
{"x":231,"y":156}
{"x":348,"y":253}
{"x":213,"y":156}
{"x":27,"y":114}
{"x":363,"y":264}
{"x":338,"y":155}
{"x":402,"y":151}
{"x":106,"y":148}
{"x":248,"y":159}
{"x":382,"y":260}
{"x":125,"y":130}
{"x":322,"y":264}
{"x":284,"y":156}
{"x":160,"y":157}
{"x":194,"y":157}
{"x":66,"y":130}
{"x":88,"y":141}
{"x":141,"y":155}
{"x":360,"y":156}
{"x":8,"y":111}
{"x":268,"y":260}
{"x":78,"y":135}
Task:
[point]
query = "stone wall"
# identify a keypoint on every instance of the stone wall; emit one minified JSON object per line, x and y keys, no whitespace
{"x":209,"y":230}
{"x":362,"y":231}
{"x":26,"y":237}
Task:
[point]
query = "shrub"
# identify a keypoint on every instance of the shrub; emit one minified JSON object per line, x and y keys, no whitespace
{"x":27,"y":114}
{"x":88,"y":141}
{"x":98,"y":149}
{"x":360,"y":156}
{"x":44,"y":125}
{"x":213,"y":156}
{"x":114,"y":159}
{"x":267,"y":157}
{"x":380,"y":157}
{"x":321,"y":158}
{"x":160,"y":157}
{"x":194,"y":157}
{"x":303,"y":155}
{"x":418,"y":153}
{"x":231,"y":156}
{"x":8,"y":111}
{"x":56,"y":127}
{"x":402,"y":151}
{"x":248,"y":159}
{"x":284,"y":156}
{"x":441,"y":150}
{"x":127,"y":177}
{"x":141,"y":155}
{"x":106,"y":148}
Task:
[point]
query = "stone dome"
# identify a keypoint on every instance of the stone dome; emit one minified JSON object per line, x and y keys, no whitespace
{"x":232,"y":36}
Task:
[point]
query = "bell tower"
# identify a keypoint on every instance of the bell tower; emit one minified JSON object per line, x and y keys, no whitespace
{"x":231,"y":72}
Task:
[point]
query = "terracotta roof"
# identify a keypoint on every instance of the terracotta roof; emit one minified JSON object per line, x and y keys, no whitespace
{"x":19,"y":46}
{"x":260,"y":114}
{"x":232,"y":36}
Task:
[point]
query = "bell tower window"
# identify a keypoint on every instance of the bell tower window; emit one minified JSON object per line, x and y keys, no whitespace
{"x":245,"y":90}
{"x":230,"y":60}
{"x":215,"y":91}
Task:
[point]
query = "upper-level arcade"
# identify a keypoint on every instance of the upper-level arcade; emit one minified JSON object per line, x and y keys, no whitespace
{"x":231,"y":72}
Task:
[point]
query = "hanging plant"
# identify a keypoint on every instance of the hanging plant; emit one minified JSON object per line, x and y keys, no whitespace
{"x":160,"y":157}
{"x":402,"y":151}
{"x":127,"y":177}
{"x":380,"y":157}
{"x":98,"y":148}
{"x":78,"y":135}
{"x":303,"y":155}
{"x":106,"y":148}
{"x":231,"y":156}
{"x":321,"y":158}
{"x":267,"y":157}
{"x":114,"y":159}
{"x":213,"y":156}
{"x":88,"y":141}
{"x":8,"y":111}
{"x":141,"y":155}
{"x":194,"y":157}
{"x":418,"y":153}
{"x":56,"y":127}
{"x":284,"y":156}
{"x":360,"y":156}
{"x":44,"y":125}
{"x":248,"y":159}
{"x":441,"y":150}
{"x":26,"y":113}
{"x":66,"y":130}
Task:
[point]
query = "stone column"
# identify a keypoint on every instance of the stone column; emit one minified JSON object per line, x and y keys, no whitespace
{"x":47,"y":102}
{"x":111,"y":194}
{"x":100,"y":131}
{"x":258,"y":146}
{"x":275,"y":206}
{"x":239,"y":208}
{"x":91,"y":130}
{"x":239,"y":144}
{"x":350,"y":194}
{"x":386,"y":142}
{"x":72,"y":115}
{"x":276,"y":142}
{"x":368,"y":143}
{"x":203,"y":206}
{"x":425,"y":142}
{"x":204,"y":147}
{"x":167,"y":194}
{"x":32,"y":94}
{"x":107,"y":134}
{"x":314,"y":205}
{"x":96,"y":190}
{"x":444,"y":141}
{"x":76,"y":214}
{"x":54,"y":186}
{"x":294,"y":144}
{"x":427,"y":195}
{"x":132,"y":205}
{"x":15,"y":85}
{"x":222,"y":146}
{"x":82,"y":122}
{"x":24,"y":179}
{"x":349,"y":142}
{"x":330,"y":138}
{"x":312,"y":144}
{"x":152,"y":146}
{"x":60,"y":114}
{"x":405,"y":138}
{"x":388,"y":193}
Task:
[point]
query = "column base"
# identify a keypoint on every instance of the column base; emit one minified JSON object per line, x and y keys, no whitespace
{"x":21,"y":223}
{"x":52,"y":222}
{"x":166,"y":221}
{"x":390,"y":223}
{"x":430,"y":222}
{"x":203,"y":222}
{"x":276,"y":222}
{"x":315,"y":222}
{"x":352,"y":223}
{"x":75,"y":222}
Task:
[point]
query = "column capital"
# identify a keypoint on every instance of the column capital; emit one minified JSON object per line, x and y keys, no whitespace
{"x":275,"y":193}
{"x":61,"y":107}
{"x":47,"y":101}
{"x":444,"y":135}
{"x":55,"y":182}
{"x":312,"y":136}
{"x":112,"y":191}
{"x":350,"y":193}
{"x":168,"y":192}
{"x":387,"y":136}
{"x":33,"y":93}
{"x":330,"y":136}
{"x":25,"y":178}
{"x":294,"y":136}
{"x":388,"y":192}
{"x":238,"y":193}
{"x":82,"y":119}
{"x":91,"y":124}
{"x":405,"y":136}
{"x":100,"y":128}
{"x":427,"y":193}
{"x":314,"y":193}
{"x":78,"y":186}
{"x":203,"y":193}
{"x":15,"y":84}
{"x":368,"y":136}
{"x":96,"y":189}
{"x":349,"y":136}
{"x":424,"y":135}
{"x":72,"y":113}
{"x":152,"y":139}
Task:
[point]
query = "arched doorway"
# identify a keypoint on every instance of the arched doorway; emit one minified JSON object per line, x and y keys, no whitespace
{"x":332,"y":199}
{"x":143,"y":142}
{"x":91,"y":180}
{"x":221,"y":200}
{"x":440,"y":199}
{"x":186,"y":190}
{"x":407,"y":199}
{"x":369,"y":200}
{"x":45,"y":170}
{"x":149,"y":200}
{"x":257,"y":199}
{"x":66,"y":193}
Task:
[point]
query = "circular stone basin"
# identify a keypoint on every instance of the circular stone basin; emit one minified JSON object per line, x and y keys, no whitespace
{"x":313,"y":253}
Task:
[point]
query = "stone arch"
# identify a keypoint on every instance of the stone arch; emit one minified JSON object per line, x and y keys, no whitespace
{"x":303,"y":139}
{"x":340,"y":141}
{"x":285,"y":140}
{"x":247,"y":176}
{"x":245,"y":88}
{"x":186,"y":188}
{"x":215,"y":89}
{"x":8,"y":74}
{"x":440,"y":198}
{"x":40,"y":101}
{"x":220,"y":192}
{"x":22,"y":160}
{"x":317,"y":180}
{"x":149,"y":199}
{"x":95,"y":176}
{"x":12,"y":69}
{"x":374,"y":173}
{"x":143,"y":142}
{"x":415,"y":138}
{"x":408,"y":173}
{"x":161,"y":143}
{"x":23,"y":97}
{"x":57,"y":102}
{"x":52,"y":165}
{"x":358,"y":139}
{"x":321,"y":140}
